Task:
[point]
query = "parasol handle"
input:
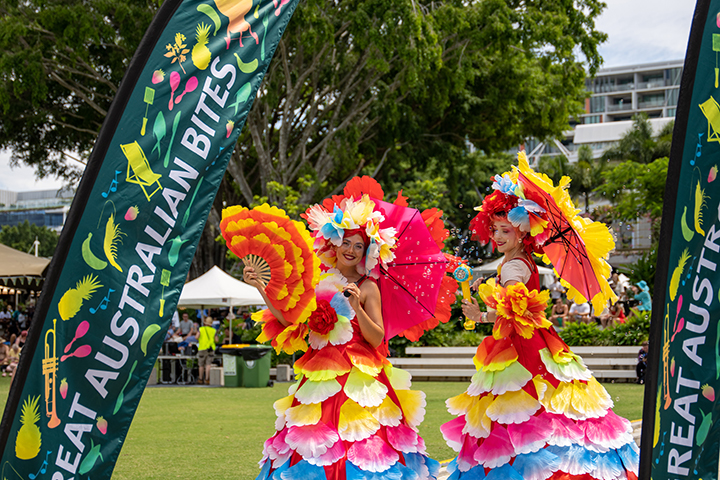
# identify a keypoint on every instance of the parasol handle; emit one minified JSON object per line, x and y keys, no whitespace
{"x":347,"y":294}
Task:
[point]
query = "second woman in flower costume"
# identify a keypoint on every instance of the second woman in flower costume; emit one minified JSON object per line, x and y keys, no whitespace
{"x":351,"y":414}
{"x":533,"y":410}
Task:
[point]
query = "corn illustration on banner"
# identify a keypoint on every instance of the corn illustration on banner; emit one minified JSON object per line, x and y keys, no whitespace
{"x":124,"y":254}
{"x":681,"y":424}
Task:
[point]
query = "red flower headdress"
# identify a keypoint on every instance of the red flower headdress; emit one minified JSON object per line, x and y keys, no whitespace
{"x":509,"y":200}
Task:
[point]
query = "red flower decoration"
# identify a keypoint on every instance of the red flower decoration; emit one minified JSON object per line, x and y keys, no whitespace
{"x":323,"y":319}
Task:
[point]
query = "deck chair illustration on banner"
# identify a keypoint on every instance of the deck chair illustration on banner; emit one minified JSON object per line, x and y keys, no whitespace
{"x":711,"y":110}
{"x":139,"y":171}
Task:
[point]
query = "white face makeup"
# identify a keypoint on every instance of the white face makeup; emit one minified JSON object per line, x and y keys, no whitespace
{"x":505,"y":236}
{"x":351,"y":251}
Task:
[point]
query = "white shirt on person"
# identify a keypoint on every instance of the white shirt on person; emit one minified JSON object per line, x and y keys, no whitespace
{"x":580,"y":309}
{"x":515,"y":270}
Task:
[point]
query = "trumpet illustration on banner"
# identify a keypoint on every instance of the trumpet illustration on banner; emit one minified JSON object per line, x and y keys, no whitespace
{"x":49,"y":370}
{"x":463,"y":274}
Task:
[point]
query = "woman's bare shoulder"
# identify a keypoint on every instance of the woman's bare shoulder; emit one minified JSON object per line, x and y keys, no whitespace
{"x":370,"y":285}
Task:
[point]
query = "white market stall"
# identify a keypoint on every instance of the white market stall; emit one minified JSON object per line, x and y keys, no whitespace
{"x":217,"y":289}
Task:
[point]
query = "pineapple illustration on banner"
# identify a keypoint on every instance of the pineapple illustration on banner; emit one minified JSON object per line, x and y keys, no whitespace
{"x":29,"y":438}
{"x":125,"y":251}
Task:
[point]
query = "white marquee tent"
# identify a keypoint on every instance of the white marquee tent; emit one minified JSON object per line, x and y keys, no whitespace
{"x":216,"y":288}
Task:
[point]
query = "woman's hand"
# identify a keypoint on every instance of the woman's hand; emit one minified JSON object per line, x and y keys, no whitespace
{"x":471,"y":310}
{"x":354,"y":297}
{"x":251,"y":278}
{"x":476,"y":284}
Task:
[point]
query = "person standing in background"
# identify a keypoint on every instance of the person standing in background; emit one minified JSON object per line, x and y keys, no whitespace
{"x":206,"y":350}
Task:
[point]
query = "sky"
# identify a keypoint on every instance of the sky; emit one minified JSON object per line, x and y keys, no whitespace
{"x":639,"y":31}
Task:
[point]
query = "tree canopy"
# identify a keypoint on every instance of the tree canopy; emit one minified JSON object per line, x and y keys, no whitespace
{"x":640,"y":144}
{"x":22,"y":237}
{"x":387,"y":88}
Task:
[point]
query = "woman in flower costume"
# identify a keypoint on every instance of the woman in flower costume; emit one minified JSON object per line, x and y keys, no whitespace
{"x":533,"y":410}
{"x":351,"y":414}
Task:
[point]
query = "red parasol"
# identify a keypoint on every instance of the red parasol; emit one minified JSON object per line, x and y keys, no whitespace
{"x":409,"y":284}
{"x":576,"y":246}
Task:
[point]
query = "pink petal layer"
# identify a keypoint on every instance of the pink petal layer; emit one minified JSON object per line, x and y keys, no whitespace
{"x":311,"y":441}
{"x":529,"y":436}
{"x":333,"y":454}
{"x":403,"y":438}
{"x":496,"y":450}
{"x":564,"y":431}
{"x":452,"y":432}
{"x":606,"y":432}
{"x":466,"y":457}
{"x":372,"y":454}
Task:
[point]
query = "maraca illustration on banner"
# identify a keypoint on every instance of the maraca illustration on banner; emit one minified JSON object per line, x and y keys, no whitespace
{"x":463,"y":274}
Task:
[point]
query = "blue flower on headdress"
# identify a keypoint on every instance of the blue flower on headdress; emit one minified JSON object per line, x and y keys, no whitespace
{"x":333,"y":229}
{"x":520,"y":215}
{"x":504,"y":184}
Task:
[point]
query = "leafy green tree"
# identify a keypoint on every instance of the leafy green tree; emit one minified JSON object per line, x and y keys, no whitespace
{"x":22,"y":237}
{"x":637,"y":189}
{"x":586,"y":174}
{"x":374,"y":77}
{"x":60,"y":67}
{"x":372,"y":86}
{"x":555,"y":167}
{"x":640,"y":144}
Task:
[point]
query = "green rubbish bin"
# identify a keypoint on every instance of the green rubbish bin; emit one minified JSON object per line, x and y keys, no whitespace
{"x":246,"y":365}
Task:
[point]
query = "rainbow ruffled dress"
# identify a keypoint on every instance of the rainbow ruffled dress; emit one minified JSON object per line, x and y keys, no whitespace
{"x":533,"y":410}
{"x":350,"y":414}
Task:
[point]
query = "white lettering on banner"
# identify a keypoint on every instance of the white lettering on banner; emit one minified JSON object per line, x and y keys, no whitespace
{"x":675,"y":460}
{"x":697,"y":322}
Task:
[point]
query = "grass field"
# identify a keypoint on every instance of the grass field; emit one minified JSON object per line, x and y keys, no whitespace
{"x":218,"y":433}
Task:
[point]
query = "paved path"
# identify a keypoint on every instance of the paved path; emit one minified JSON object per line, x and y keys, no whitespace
{"x":637,"y":428}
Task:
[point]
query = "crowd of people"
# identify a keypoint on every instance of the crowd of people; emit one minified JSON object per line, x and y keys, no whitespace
{"x":565,"y":312}
{"x":14,"y":324}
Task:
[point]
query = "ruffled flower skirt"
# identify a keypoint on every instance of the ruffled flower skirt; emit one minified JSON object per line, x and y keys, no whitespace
{"x":350,"y":415}
{"x":534,"y":411}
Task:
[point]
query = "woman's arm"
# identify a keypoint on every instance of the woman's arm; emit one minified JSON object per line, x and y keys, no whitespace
{"x":370,"y":316}
{"x":251,"y":278}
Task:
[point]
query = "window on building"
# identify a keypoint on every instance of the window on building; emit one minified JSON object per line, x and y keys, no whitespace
{"x":597,"y":104}
{"x":590,"y":119}
{"x":652,"y":100}
{"x":650,"y":80}
{"x":672,"y":96}
{"x":674,"y":75}
{"x":670,"y":112}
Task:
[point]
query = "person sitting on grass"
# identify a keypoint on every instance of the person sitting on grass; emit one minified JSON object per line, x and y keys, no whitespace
{"x":559,"y":313}
{"x":615,"y":314}
{"x":4,"y":355}
{"x":14,"y":358}
{"x":579,"y":313}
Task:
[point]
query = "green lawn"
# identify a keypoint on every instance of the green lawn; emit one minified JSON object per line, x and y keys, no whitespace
{"x":217,"y":433}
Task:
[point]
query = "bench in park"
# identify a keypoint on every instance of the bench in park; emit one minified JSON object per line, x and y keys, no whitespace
{"x":609,"y":364}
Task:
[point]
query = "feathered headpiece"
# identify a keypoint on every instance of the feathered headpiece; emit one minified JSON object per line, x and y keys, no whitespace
{"x":521,"y":211}
{"x":331,"y":221}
